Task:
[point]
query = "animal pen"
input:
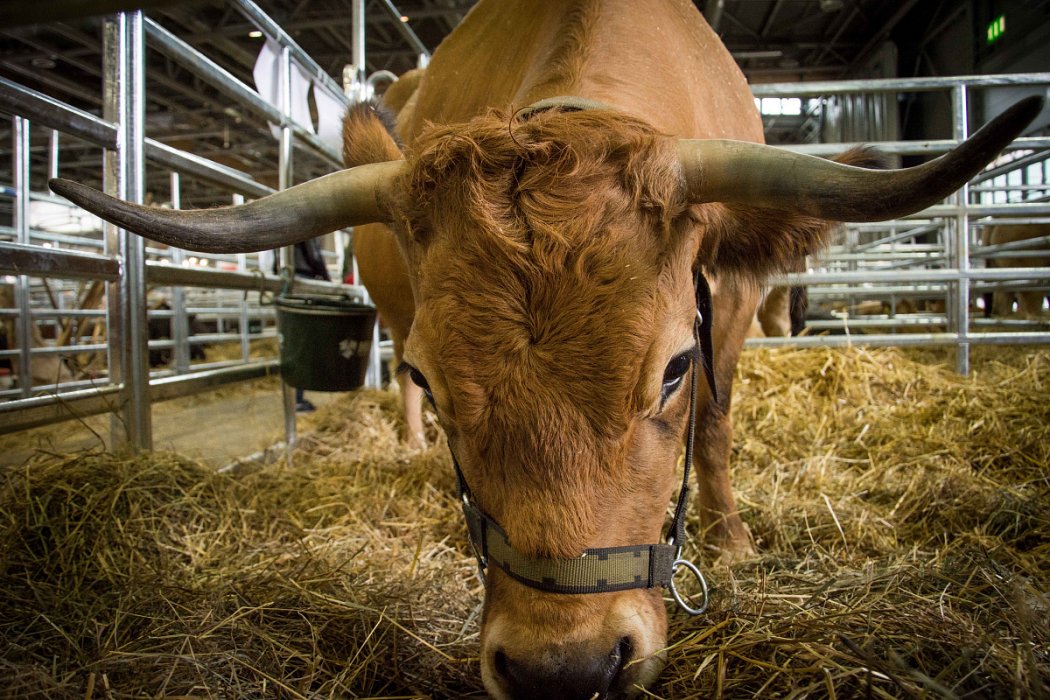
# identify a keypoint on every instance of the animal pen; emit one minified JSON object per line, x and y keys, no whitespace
{"x":904,"y":538}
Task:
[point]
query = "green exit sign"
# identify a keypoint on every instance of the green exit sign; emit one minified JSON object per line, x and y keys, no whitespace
{"x":996,"y":29}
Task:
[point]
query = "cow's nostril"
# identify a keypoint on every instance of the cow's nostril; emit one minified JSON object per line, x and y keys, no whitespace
{"x":576,"y":674}
{"x":499,"y":661}
{"x":622,"y":653}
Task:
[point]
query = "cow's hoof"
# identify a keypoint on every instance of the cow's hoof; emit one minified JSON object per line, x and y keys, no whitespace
{"x":417,"y":442}
{"x":734,"y":552}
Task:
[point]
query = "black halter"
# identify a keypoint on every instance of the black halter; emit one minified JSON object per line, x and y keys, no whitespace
{"x":605,"y":569}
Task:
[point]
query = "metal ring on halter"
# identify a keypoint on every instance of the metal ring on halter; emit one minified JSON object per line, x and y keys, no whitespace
{"x":699,"y":577}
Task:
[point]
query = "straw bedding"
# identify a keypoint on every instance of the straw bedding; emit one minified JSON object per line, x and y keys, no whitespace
{"x":900,"y":511}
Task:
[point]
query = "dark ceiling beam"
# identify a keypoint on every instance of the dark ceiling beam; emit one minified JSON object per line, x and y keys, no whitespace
{"x":771,"y":17}
{"x":64,"y":86}
{"x":813,"y":44}
{"x":881,"y":35}
{"x":295,"y":25}
{"x":799,"y":72}
{"x":200,"y":30}
{"x":838,"y":33}
{"x":741,"y":26}
{"x":172,"y":85}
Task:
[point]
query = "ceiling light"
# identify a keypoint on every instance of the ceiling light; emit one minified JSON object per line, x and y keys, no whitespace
{"x":404,"y":18}
{"x":255,"y":34}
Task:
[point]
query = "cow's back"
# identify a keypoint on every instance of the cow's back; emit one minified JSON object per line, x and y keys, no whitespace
{"x":656,"y":60}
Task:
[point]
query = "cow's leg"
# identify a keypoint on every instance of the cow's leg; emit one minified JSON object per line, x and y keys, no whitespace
{"x":1002,"y":304}
{"x":734,"y":309}
{"x":774,"y":313}
{"x":719,"y":517}
{"x":411,"y":396}
{"x":1031,"y":304}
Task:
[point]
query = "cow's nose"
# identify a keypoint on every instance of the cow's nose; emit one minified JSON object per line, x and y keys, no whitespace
{"x":565,"y":675}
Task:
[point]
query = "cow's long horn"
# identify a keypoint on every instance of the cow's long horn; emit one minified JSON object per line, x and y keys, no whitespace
{"x":345,"y":198}
{"x":748,"y":173}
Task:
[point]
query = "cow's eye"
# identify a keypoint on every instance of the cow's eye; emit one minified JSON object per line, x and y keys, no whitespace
{"x":418,"y":379}
{"x":674,"y":373}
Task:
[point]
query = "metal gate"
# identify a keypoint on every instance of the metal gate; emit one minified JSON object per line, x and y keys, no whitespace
{"x":80,"y":296}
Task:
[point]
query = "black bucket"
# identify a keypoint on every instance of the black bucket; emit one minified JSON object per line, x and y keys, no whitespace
{"x":325,"y":341}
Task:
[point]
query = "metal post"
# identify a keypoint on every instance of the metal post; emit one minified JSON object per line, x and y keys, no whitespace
{"x":125,"y":105}
{"x":960,"y":130}
{"x":52,"y":154}
{"x":284,"y":180}
{"x":373,"y":377}
{"x":20,"y":135}
{"x":242,"y":266}
{"x":358,"y":83}
{"x":180,"y":321}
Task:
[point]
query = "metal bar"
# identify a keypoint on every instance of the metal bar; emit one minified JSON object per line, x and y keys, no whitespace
{"x":908,"y":148}
{"x":852,"y":87}
{"x":899,"y":276}
{"x":113,"y":185}
{"x":287,"y":253}
{"x":269,"y":27}
{"x":23,"y":259}
{"x":160,"y":273}
{"x":960,"y":249}
{"x":229,"y":85}
{"x":20,"y":147}
{"x":217,"y":173}
{"x":243,"y":316}
{"x":196,"y":382}
{"x":56,"y":350}
{"x":406,"y":31}
{"x":52,"y":153}
{"x":975,"y":210}
{"x":358,"y":86}
{"x":1012,"y":165}
{"x":989,"y":250}
{"x":900,"y":340}
{"x":180,"y":321}
{"x":1011,"y":254}
{"x":47,"y":111}
{"x":55,"y":313}
{"x":132,"y":130}
{"x":45,"y":410}
{"x":55,"y":237}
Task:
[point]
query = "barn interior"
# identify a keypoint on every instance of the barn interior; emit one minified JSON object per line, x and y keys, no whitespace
{"x":174,"y":527}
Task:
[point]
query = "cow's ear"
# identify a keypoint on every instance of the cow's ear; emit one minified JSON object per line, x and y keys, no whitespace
{"x":368,"y":135}
{"x":757,"y":241}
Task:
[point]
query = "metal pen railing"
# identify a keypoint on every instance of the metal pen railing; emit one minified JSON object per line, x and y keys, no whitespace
{"x":932,"y":264}
{"x":48,"y":266}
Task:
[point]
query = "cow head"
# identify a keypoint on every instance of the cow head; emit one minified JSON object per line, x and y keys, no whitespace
{"x":552,"y":262}
{"x":552,"y":267}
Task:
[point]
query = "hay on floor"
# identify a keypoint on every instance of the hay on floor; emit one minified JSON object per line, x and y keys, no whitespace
{"x":901,"y":514}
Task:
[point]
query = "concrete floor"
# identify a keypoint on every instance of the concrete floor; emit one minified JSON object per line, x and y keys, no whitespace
{"x":216,"y":427}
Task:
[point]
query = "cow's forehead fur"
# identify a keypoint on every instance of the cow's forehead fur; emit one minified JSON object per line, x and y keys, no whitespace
{"x":546,"y":254}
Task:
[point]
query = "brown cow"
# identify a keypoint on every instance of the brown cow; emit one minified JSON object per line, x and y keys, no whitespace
{"x":379,"y":261}
{"x":1030,"y":302}
{"x":551,"y":253}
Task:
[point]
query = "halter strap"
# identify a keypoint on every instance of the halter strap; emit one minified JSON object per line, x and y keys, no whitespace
{"x":605,"y":569}
{"x":566,"y":103}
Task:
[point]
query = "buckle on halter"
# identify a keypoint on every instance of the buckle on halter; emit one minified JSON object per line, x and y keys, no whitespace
{"x":691,"y":567}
